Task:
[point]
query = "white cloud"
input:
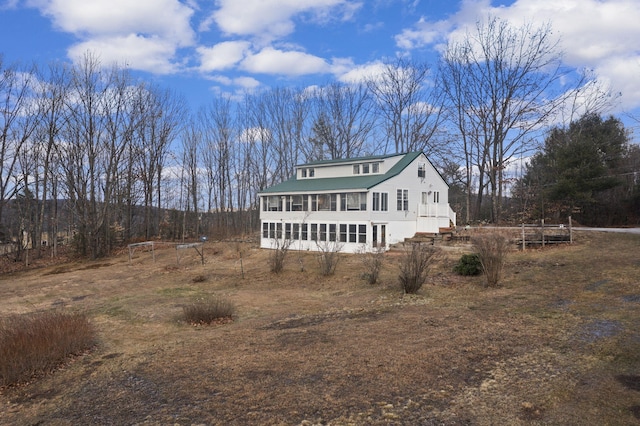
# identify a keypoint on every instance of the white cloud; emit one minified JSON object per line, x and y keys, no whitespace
{"x":223,"y":55}
{"x":597,"y":34}
{"x":147,"y":54}
{"x":167,"y":18}
{"x":147,"y":32}
{"x":363,"y":73}
{"x":290,"y":63}
{"x":272,"y":19}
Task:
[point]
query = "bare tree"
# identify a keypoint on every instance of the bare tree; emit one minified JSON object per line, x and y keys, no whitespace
{"x":191,"y":150}
{"x":18,"y":120}
{"x":497,"y":82}
{"x":343,"y":122}
{"x":218,"y":132}
{"x":52,"y":92}
{"x":162,"y":114}
{"x":287,"y":111}
{"x":409,"y":106}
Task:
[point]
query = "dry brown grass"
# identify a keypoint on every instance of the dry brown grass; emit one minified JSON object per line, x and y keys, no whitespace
{"x":37,"y":343}
{"x":556,"y":343}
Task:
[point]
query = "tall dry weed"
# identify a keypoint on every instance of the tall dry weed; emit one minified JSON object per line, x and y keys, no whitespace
{"x":39,"y":342}
{"x":492,"y":250}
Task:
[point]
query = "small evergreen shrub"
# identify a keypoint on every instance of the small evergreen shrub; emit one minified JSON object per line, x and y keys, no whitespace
{"x":38,"y":343}
{"x":208,"y":310}
{"x":469,"y":264}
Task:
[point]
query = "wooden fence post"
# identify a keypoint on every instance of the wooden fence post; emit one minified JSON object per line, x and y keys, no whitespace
{"x":570,"y":231}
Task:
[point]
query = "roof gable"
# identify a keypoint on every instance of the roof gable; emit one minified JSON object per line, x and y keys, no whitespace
{"x":356,"y":182}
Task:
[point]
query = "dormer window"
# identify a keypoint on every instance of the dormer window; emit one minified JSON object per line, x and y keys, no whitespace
{"x":365,"y":169}
{"x":303,"y":173}
{"x":312,"y":172}
{"x":356,"y":169}
{"x":375,"y":168}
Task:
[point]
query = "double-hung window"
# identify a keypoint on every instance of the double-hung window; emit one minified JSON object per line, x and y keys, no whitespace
{"x":380,"y":201}
{"x":402,"y":199}
{"x":422,"y":170}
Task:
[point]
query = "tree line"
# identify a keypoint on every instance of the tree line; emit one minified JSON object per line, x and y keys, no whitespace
{"x":93,"y":150}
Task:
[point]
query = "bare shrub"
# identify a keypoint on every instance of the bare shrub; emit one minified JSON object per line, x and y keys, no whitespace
{"x":328,"y":256}
{"x":208,"y":310}
{"x":200,"y":278}
{"x":278,"y":254}
{"x":414,"y":266}
{"x":372,"y":259}
{"x":492,"y":251}
{"x":39,"y":342}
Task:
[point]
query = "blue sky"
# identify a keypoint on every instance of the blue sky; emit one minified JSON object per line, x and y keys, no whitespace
{"x":201,"y":48}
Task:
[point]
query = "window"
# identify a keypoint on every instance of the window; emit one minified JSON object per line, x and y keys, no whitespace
{"x":332,"y":232}
{"x":380,"y":201}
{"x":436,"y":197}
{"x":294,"y":203}
{"x":422,"y":170}
{"x":272,"y":230}
{"x":272,"y":204}
{"x":402,"y":198}
{"x":352,"y":233}
{"x":323,"y":202}
{"x":353,"y":201}
{"x":279,"y":230}
{"x":305,"y":236}
{"x":362,"y":234}
{"x":356,"y":169}
{"x":312,"y":172}
{"x":323,"y":232}
{"x":365,"y":169}
{"x":375,"y":168}
{"x":314,"y":232}
{"x":287,"y":231}
{"x":265,"y":230}
{"x":343,"y":233}
{"x":303,"y":173}
{"x":296,"y":231}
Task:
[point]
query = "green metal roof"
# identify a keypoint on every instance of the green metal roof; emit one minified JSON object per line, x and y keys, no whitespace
{"x":348,"y":160}
{"x":343,"y":182}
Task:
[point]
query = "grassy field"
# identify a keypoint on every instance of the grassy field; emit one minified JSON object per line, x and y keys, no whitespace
{"x":557,"y":343}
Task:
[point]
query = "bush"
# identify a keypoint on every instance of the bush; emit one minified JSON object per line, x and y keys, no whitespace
{"x":372,"y":261}
{"x":328,"y":256}
{"x":469,"y":264}
{"x":39,"y":342}
{"x":208,"y":310}
{"x":278,"y":254}
{"x":414,"y":266}
{"x":492,"y":252}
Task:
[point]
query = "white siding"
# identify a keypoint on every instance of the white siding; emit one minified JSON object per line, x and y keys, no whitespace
{"x":418,"y":217}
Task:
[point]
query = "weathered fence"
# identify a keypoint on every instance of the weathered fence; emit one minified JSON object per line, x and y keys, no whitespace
{"x":542,"y":234}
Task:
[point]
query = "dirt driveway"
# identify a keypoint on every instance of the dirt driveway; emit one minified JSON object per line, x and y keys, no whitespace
{"x":558,"y":343}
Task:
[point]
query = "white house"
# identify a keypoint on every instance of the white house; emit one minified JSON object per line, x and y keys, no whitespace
{"x":373,"y":201}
